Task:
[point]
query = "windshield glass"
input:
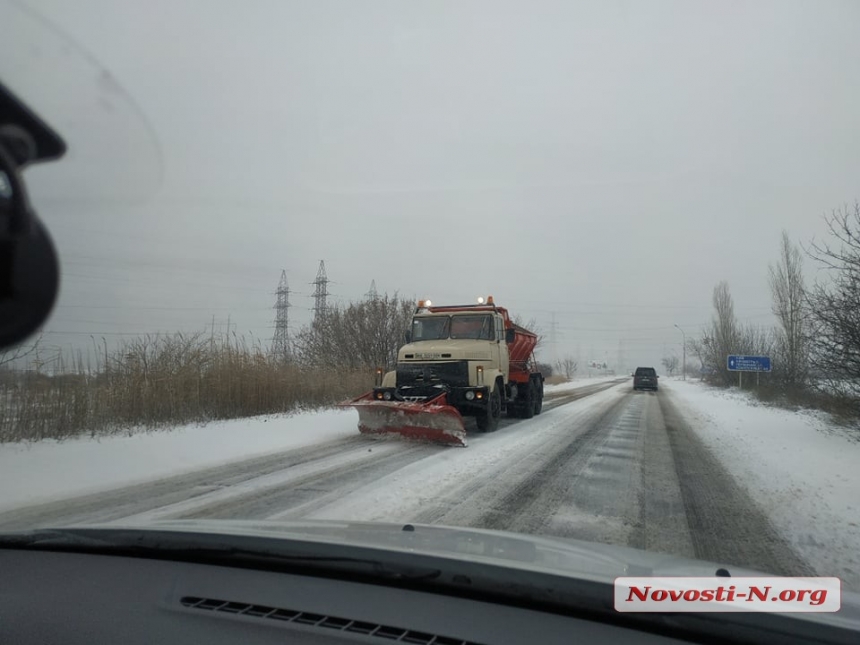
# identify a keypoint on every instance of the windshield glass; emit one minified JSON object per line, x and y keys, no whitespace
{"x":263,"y":203}
{"x":430,"y":328}
{"x":474,"y":327}
{"x":454,"y":327}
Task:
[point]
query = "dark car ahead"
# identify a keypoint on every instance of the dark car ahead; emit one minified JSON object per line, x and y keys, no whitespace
{"x":645,"y":378}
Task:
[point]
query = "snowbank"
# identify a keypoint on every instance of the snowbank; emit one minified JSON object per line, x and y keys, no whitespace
{"x":33,"y":473}
{"x":800,"y":468}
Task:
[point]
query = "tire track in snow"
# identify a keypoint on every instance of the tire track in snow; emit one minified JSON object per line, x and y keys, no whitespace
{"x":571,"y":490}
{"x":725,"y":523}
{"x":306,"y":493}
{"x":131,"y":500}
{"x":468,"y":504}
{"x":305,"y":489}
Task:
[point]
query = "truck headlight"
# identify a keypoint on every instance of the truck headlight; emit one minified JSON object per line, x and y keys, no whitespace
{"x":470,"y":395}
{"x":387,"y":396}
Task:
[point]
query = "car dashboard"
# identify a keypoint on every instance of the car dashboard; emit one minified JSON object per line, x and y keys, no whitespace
{"x":82,"y":599}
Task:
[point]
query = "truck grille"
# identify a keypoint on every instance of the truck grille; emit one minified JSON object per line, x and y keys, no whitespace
{"x":453,"y":373}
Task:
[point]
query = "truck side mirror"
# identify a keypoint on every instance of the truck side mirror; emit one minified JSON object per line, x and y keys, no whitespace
{"x":510,"y":335}
{"x":408,"y":336}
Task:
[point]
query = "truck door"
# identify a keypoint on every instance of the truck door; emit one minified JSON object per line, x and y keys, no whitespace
{"x":502,"y":348}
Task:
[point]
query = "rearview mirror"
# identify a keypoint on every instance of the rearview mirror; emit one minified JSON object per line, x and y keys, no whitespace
{"x":408,"y":336}
{"x":510,"y":335}
{"x":29,"y":267}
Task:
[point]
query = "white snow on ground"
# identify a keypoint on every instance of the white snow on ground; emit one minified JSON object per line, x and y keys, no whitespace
{"x":578,"y":383}
{"x":399,"y":496}
{"x":48,"y":470}
{"x":32,"y":473}
{"x":800,"y":468}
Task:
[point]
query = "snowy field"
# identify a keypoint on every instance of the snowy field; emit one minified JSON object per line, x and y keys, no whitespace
{"x":32,"y":473}
{"x":799,"y":467}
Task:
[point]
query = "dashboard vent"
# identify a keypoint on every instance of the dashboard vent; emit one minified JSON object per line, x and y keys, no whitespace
{"x":318,"y":620}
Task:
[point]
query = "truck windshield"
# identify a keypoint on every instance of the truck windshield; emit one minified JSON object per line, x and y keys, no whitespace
{"x":441,"y":327}
{"x":477,"y":327}
{"x":430,"y":328}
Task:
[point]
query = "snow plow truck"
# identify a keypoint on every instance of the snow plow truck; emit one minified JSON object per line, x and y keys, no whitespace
{"x":458,"y":361}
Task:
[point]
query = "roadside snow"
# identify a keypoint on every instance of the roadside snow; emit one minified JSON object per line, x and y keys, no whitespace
{"x":49,"y":470}
{"x":577,"y":383}
{"x":32,"y":473}
{"x":801,"y":469}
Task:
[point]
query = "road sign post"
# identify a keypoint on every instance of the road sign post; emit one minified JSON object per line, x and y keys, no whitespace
{"x":741,"y":364}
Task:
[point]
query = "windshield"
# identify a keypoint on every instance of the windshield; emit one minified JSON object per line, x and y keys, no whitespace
{"x":454,"y":327}
{"x":430,"y":328}
{"x":261,"y":200}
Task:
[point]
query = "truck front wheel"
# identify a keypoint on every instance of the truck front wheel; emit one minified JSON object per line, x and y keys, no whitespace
{"x":488,"y":420}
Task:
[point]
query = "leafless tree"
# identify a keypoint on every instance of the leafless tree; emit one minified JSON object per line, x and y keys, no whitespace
{"x":724,"y":336}
{"x":790,"y":307}
{"x":834,"y":304}
{"x":364,"y":334}
{"x":671,"y":364}
{"x":567,"y":366}
{"x":696,"y":347}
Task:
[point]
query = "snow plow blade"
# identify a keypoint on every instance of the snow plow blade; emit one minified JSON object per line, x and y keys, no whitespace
{"x":433,"y":421}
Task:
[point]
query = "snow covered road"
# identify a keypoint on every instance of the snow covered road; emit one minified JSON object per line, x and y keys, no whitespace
{"x":601,"y":463}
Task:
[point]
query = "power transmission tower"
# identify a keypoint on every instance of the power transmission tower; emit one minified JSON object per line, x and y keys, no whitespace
{"x":372,"y":294}
{"x":320,"y":293}
{"x":281,"y":340}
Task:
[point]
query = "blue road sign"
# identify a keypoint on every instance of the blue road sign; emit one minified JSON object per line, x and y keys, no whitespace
{"x":749,"y":363}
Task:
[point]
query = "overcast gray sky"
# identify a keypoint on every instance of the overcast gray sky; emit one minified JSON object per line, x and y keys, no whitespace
{"x":606,"y":161}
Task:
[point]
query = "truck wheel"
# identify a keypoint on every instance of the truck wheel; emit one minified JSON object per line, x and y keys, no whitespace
{"x":528,"y":408}
{"x":489,"y":420}
{"x":538,"y":399}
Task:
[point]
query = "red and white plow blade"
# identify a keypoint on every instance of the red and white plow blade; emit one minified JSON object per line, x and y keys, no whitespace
{"x":433,"y":421}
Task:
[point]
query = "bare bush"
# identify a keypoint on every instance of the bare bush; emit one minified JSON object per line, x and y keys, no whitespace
{"x":567,"y":366}
{"x":546,"y":369}
{"x":157,"y":381}
{"x":12,"y":357}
